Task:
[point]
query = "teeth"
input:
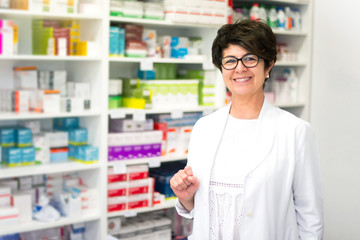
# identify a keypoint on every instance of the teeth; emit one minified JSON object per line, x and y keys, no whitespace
{"x":241,"y":79}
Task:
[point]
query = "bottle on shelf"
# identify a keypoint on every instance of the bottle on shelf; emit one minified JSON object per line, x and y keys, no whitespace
{"x":255,"y":12}
{"x":292,"y":84}
{"x":281,"y":18}
{"x":288,"y":18}
{"x":263,"y":13}
{"x":273,"y":18}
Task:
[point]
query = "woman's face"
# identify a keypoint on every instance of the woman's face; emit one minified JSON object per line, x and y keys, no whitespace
{"x":244,"y":82}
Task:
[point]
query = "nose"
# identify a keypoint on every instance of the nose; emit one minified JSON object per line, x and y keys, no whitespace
{"x":240,"y":67}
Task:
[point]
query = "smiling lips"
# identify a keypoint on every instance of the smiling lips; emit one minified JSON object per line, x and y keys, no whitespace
{"x":242,"y":79}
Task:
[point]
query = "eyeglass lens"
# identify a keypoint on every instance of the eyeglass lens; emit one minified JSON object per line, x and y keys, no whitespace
{"x":248,"y":60}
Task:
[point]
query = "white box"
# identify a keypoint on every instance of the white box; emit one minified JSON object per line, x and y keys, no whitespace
{"x":39,"y":6}
{"x":58,"y":81}
{"x":79,"y":89}
{"x":5,"y":193}
{"x":9,"y":215}
{"x":57,"y":139}
{"x":25,"y":78}
{"x":72,"y":105}
{"x":7,"y":37}
{"x":22,"y":201}
{"x":21,"y":101}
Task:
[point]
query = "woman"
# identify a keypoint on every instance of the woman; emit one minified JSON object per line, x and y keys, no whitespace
{"x":253,"y":169}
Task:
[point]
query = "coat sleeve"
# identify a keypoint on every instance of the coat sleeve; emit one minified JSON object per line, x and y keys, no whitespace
{"x":307,"y":187}
{"x":178,"y":206}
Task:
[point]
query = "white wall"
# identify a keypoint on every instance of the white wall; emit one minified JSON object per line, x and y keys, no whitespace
{"x":335,"y":112}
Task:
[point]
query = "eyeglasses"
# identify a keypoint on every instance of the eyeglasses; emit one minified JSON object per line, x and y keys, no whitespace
{"x":249,"y":60}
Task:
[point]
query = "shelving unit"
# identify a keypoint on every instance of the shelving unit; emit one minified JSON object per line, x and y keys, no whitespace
{"x":298,"y":41}
{"x":98,"y":69}
{"x":93,"y":69}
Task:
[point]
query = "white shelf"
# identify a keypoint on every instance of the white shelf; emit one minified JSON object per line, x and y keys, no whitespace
{"x":50,"y":168}
{"x":120,"y":112}
{"x":13,"y":13}
{"x":49,"y":58}
{"x":36,"y":225}
{"x":168,"y":158}
{"x":162,"y":23}
{"x":134,"y":212}
{"x":290,"y":33}
{"x":33,"y":115}
{"x":290,"y":64}
{"x":290,"y":105}
{"x":189,"y":60}
{"x":296,"y":2}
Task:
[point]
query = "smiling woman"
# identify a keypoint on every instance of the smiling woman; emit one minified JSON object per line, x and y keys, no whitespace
{"x":253,"y":169}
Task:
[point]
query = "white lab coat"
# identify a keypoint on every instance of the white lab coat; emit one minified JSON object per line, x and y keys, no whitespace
{"x":282,"y":193}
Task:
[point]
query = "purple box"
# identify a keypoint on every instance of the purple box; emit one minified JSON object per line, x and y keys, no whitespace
{"x":129,"y":152}
{"x":115,"y":153}
{"x":134,"y":151}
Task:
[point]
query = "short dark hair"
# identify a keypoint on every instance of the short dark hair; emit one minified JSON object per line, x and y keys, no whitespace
{"x":254,"y":36}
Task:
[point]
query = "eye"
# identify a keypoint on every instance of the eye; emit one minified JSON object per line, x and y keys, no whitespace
{"x":250,"y":58}
{"x":229,"y":60}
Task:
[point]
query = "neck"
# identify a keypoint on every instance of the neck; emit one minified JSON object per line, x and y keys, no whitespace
{"x":246,"y":108}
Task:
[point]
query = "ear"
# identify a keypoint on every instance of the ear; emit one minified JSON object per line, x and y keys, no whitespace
{"x":267,"y":71}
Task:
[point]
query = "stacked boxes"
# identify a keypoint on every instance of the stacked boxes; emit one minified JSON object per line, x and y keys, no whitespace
{"x":196,"y":11}
{"x":16,"y":147}
{"x":115,"y":92}
{"x":117,"y":42}
{"x":134,"y":96}
{"x":131,"y":189}
{"x":132,"y":145}
{"x":76,"y":141}
{"x":175,"y":132}
{"x":172,"y":93}
{"x":207,"y":79}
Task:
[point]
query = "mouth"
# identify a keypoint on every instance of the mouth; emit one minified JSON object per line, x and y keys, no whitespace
{"x":243,"y":79}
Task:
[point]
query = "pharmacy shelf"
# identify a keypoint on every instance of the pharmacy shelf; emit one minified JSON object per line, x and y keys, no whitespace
{"x":5,"y":116}
{"x":18,"y":14}
{"x":134,"y":212}
{"x":290,"y":105}
{"x":290,"y":33}
{"x":49,"y":58}
{"x":122,"y":112}
{"x":290,"y":64}
{"x":162,"y":23}
{"x":189,"y":60}
{"x":296,"y":2}
{"x":50,"y":168}
{"x":36,"y":225}
{"x":153,"y":161}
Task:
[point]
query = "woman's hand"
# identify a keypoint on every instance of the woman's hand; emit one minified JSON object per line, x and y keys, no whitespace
{"x":184,"y":184}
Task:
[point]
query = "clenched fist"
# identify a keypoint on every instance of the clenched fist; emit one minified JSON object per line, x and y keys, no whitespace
{"x":184,"y":184}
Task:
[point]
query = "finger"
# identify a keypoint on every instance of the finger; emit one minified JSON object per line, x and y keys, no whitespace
{"x":193,"y":180}
{"x":174,"y":185}
{"x":181,"y":183}
{"x":188,"y":170}
{"x":186,"y":181}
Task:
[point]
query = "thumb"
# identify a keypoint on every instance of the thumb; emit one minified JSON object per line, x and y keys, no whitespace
{"x":194,"y":181}
{"x":188,"y":170}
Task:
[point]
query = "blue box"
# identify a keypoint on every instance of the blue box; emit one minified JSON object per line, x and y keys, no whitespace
{"x":7,"y":137}
{"x":28,"y":155}
{"x":66,"y":123}
{"x":11,"y":156}
{"x":23,"y":137}
{"x":78,"y":136}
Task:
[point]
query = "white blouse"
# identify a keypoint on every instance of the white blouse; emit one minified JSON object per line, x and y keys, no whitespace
{"x":227,"y":178}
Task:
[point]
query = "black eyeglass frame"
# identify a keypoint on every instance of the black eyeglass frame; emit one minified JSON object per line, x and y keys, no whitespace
{"x":241,"y":60}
